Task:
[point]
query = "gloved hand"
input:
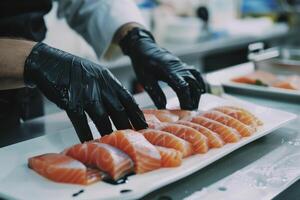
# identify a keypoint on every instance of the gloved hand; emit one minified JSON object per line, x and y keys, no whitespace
{"x":152,"y":64}
{"x":78,"y":86}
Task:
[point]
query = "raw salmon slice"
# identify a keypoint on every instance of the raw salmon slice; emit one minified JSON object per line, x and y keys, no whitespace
{"x":214,"y":140}
{"x":228,"y":135}
{"x":243,"y":129}
{"x":285,"y":85}
{"x":162,"y":115}
{"x":290,"y":82}
{"x":165,"y":139}
{"x":169,"y":157}
{"x":103,"y":156}
{"x":151,"y":120}
{"x":258,"y":121}
{"x":94,"y":175}
{"x":257,"y":78}
{"x":197,"y":139}
{"x":145,"y":156}
{"x":183,"y":113}
{"x":243,"y":117}
{"x":62,"y":168}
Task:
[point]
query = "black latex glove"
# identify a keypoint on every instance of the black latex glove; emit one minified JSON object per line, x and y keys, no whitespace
{"x":152,"y":64}
{"x":78,"y":86}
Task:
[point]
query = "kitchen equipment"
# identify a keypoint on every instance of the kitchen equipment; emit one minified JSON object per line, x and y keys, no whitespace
{"x":183,"y":29}
{"x":278,"y":60}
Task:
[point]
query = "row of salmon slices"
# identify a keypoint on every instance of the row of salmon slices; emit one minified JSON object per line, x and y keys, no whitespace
{"x":172,"y":135}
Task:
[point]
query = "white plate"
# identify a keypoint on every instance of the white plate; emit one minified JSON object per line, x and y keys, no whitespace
{"x":224,"y":77}
{"x":19,"y":182}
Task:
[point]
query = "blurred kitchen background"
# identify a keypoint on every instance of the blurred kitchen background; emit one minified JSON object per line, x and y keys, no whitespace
{"x":209,"y":34}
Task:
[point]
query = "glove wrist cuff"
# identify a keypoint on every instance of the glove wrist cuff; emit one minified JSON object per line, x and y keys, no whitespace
{"x":134,"y":36}
{"x":31,"y":64}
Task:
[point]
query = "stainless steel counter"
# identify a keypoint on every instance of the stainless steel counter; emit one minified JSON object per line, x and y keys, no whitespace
{"x":249,"y":155}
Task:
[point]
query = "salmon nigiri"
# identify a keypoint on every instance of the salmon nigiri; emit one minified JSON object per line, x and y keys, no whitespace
{"x":228,"y":134}
{"x":64,"y":169}
{"x":162,"y":115}
{"x":243,"y":129}
{"x":103,"y":156}
{"x":243,"y":117}
{"x":169,"y":157}
{"x":214,"y":140}
{"x":165,"y":139}
{"x":145,"y":156}
{"x":197,"y":139}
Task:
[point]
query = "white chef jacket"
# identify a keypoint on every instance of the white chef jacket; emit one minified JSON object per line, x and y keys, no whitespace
{"x":98,"y":20}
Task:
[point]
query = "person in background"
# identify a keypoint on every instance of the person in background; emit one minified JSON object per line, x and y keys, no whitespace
{"x":77,"y":85}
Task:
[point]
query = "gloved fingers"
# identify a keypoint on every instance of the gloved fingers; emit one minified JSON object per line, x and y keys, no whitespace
{"x":200,"y":80}
{"x":99,"y":116}
{"x":157,"y":95}
{"x":76,"y":91}
{"x":117,"y":112}
{"x":195,"y":91}
{"x":181,"y":88}
{"x":80,"y":123}
{"x":132,"y":109}
{"x":152,"y":87}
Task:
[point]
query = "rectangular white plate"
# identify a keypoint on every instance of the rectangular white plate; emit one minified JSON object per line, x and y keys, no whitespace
{"x":19,"y":182}
{"x":224,"y":77}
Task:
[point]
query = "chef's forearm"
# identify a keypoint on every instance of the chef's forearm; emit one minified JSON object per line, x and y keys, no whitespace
{"x":13,"y":53}
{"x":123,"y":30}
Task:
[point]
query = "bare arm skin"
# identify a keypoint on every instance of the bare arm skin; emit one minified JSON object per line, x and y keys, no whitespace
{"x":13,"y":53}
{"x":123,"y":30}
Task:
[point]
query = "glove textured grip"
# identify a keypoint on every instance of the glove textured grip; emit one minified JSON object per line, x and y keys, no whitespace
{"x":31,"y":65}
{"x":128,"y":43}
{"x":82,"y":87}
{"x":153,"y":64}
